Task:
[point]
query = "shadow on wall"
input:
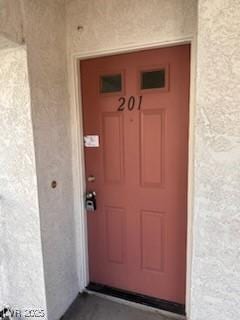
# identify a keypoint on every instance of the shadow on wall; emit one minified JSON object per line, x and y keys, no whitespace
{"x":11,"y":23}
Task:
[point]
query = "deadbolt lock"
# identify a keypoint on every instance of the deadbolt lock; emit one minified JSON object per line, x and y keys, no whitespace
{"x":91,"y":204}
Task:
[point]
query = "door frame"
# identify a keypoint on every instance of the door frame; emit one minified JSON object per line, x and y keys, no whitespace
{"x":78,"y":165}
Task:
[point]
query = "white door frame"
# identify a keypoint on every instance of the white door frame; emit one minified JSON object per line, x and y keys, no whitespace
{"x":78,"y":153}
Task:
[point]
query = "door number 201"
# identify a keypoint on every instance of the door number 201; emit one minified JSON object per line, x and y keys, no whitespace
{"x":130,"y":103}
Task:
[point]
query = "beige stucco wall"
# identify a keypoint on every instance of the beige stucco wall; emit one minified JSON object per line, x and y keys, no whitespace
{"x":216,"y":255}
{"x":6,"y":43}
{"x":44,"y":138}
{"x":21,"y":266}
{"x":46,"y":49}
{"x":111,"y":24}
{"x":11,"y":23}
{"x":41,"y":24}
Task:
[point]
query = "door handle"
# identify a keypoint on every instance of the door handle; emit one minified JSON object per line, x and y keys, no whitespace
{"x":91,"y":203}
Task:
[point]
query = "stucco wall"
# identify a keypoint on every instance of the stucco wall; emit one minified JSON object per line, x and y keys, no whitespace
{"x":216,"y":255}
{"x":6,"y":43}
{"x":21,"y":267}
{"x":46,"y":48}
{"x":11,"y":23}
{"x":113,"y":23}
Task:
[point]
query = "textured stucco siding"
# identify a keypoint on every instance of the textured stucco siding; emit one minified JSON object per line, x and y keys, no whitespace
{"x":111,"y":24}
{"x":216,"y":255}
{"x":21,"y":265}
{"x":5,"y":43}
{"x":46,"y":48}
{"x":11,"y":23}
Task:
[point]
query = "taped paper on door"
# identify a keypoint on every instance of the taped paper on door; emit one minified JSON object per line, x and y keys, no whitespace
{"x":91,"y":141}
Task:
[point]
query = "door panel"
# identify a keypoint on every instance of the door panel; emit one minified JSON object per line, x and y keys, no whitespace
{"x":152,"y":241}
{"x":137,"y":235}
{"x":116,"y":233}
{"x":152,"y":148}
{"x":112,"y":139}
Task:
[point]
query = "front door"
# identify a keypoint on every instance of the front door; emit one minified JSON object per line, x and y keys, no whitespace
{"x":135,"y":111}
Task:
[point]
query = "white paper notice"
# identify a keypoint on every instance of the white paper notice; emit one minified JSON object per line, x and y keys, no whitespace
{"x":91,"y":141}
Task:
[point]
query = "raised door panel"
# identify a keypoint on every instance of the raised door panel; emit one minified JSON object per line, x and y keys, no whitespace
{"x":152,"y":137}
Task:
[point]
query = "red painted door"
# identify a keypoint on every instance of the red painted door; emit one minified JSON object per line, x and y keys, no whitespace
{"x":138,"y":106}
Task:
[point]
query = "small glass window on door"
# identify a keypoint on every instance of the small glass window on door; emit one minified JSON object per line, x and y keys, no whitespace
{"x":153,"y":79}
{"x":111,"y":83}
